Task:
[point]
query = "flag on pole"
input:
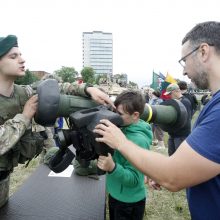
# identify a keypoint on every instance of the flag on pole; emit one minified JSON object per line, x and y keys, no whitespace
{"x":155,"y":81}
{"x":168,"y":80}
{"x":162,"y":76}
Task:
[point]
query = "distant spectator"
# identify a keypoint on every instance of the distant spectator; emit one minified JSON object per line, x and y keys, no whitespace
{"x":205,"y":99}
{"x":158,"y":133}
{"x":192,"y":98}
{"x":147,"y":96}
{"x":177,"y":136}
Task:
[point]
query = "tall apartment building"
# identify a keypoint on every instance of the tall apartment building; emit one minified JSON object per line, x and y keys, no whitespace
{"x":97,"y":51}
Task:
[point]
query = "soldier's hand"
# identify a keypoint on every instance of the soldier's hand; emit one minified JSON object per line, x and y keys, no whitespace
{"x":30,"y":107}
{"x":99,"y":96}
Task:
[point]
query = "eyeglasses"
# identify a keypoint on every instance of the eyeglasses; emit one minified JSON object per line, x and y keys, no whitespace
{"x":182,"y":61}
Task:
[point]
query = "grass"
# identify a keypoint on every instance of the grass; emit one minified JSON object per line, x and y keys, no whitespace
{"x":20,"y":174}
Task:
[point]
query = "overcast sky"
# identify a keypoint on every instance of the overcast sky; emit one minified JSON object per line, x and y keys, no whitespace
{"x":147,"y":34}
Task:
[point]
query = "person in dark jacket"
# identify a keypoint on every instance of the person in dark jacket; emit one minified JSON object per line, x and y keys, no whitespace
{"x":177,"y":136}
{"x":192,"y":98}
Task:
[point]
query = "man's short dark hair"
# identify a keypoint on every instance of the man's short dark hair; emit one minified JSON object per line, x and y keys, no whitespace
{"x":132,"y":101}
{"x":182,"y":85}
{"x":206,"y":32}
{"x":156,"y":93}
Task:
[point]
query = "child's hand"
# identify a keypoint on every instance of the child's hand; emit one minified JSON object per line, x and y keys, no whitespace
{"x":106,"y":163}
{"x":152,"y":184}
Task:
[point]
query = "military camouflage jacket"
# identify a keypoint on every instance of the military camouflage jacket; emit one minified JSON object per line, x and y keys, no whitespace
{"x":73,"y":88}
{"x":13,"y":129}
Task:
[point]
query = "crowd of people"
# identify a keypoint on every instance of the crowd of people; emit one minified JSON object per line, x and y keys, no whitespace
{"x":193,"y":160}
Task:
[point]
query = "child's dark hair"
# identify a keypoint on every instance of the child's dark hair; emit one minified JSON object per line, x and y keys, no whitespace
{"x":132,"y":101}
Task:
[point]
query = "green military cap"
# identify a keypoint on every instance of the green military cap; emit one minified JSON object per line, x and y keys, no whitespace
{"x":6,"y":43}
{"x":171,"y":88}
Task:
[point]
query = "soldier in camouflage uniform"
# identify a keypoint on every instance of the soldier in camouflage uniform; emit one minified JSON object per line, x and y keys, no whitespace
{"x":20,"y":139}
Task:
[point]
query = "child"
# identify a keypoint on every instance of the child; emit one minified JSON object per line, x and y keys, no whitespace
{"x":125,"y":184}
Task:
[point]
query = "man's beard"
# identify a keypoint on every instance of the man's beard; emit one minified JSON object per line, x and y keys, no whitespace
{"x":201,"y":81}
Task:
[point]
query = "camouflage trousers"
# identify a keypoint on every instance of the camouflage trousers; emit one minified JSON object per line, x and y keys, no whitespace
{"x":4,"y":190}
{"x":85,"y":171}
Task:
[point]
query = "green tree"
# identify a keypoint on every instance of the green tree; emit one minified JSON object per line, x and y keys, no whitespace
{"x":97,"y":79}
{"x":27,"y":79}
{"x":68,"y":74}
{"x":133,"y":85}
{"x":88,"y":75}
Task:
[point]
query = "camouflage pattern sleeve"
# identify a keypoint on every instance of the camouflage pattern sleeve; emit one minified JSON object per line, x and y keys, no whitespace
{"x":11,"y":131}
{"x":73,"y":88}
{"x":29,"y":89}
{"x":36,"y":127}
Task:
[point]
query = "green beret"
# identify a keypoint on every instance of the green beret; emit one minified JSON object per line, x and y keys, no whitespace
{"x":6,"y":43}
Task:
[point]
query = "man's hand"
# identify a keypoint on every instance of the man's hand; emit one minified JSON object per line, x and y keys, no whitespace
{"x":106,"y":163}
{"x":99,"y":96}
{"x":30,"y":107}
{"x":111,"y":134}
